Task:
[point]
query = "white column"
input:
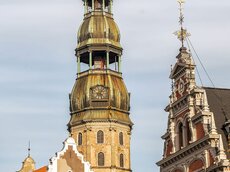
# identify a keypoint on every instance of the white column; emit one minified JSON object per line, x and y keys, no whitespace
{"x":78,"y":64}
{"x":103,"y":5}
{"x":90,"y":59}
{"x":86,"y":6}
{"x":111,"y":6}
{"x":107,"y":59}
{"x":119,"y":63}
{"x":93,"y":5}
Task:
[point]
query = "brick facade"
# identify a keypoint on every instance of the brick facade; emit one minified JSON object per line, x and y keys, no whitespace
{"x":192,"y":141}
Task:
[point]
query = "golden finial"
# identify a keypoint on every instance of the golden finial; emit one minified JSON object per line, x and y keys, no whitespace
{"x":182,"y":33}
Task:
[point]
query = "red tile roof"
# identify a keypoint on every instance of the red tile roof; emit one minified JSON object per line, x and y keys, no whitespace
{"x":43,"y":169}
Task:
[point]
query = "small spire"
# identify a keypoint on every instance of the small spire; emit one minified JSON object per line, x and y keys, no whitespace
{"x":182,"y":33}
{"x":29,"y":149}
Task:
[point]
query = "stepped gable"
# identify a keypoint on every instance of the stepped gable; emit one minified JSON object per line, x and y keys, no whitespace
{"x":68,"y":159}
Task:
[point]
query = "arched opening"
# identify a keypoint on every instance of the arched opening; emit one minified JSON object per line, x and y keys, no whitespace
{"x":180,"y":135}
{"x":121,"y":138}
{"x":121,"y":160}
{"x":188,"y":133}
{"x":98,"y":4}
{"x":98,"y":61}
{"x":196,"y":165}
{"x":168,"y":147}
{"x":100,"y":137}
{"x":80,"y":139}
{"x":101,"y":159}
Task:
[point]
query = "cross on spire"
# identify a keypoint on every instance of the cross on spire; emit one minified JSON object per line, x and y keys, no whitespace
{"x":182,"y":33}
{"x":181,"y":21}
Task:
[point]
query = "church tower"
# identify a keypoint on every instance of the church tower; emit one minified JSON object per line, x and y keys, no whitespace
{"x":99,"y":101}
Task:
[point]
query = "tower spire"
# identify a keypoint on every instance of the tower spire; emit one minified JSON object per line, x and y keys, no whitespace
{"x":182,"y":33}
{"x":100,"y":101}
{"x":29,"y":149}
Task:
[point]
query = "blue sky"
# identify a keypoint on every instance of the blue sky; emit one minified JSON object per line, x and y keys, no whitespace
{"x":38,"y":67}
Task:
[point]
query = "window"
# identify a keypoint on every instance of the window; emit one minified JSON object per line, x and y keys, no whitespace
{"x":98,"y":4}
{"x":188,"y":133}
{"x":121,"y":160}
{"x":121,"y":141}
{"x":196,"y":166}
{"x":100,"y":137}
{"x":180,"y":135}
{"x":101,"y":159}
{"x":80,"y":139}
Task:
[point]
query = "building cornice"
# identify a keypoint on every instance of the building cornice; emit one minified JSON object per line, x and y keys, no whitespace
{"x":193,"y":147}
{"x":221,"y":166}
{"x":99,"y":108}
{"x":129,"y":124}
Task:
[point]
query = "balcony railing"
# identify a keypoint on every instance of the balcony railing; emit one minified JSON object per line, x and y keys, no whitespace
{"x":99,"y":71}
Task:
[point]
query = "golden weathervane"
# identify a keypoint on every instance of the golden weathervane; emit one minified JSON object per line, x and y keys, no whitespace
{"x":182,"y":33}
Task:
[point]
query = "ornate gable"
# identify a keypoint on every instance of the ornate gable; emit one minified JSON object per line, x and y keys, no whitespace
{"x":177,"y":69}
{"x":194,"y":140}
{"x":69,"y":159}
{"x":184,"y":62}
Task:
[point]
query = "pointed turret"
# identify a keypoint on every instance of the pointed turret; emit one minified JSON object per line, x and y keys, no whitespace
{"x":28,"y":165}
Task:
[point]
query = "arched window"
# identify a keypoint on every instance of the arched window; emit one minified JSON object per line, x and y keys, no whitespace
{"x":180,"y":135}
{"x":188,"y":133}
{"x":121,"y":160}
{"x":101,"y":159}
{"x":121,"y":139}
{"x":100,"y":137}
{"x":196,"y":165}
{"x":98,"y":4}
{"x":177,"y":170}
{"x":80,"y":139}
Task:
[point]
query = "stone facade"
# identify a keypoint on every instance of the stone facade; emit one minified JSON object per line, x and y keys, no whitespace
{"x":111,"y":147}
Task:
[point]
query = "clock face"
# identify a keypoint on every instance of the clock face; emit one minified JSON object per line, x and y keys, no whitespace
{"x":181,"y":87}
{"x":99,"y":92}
